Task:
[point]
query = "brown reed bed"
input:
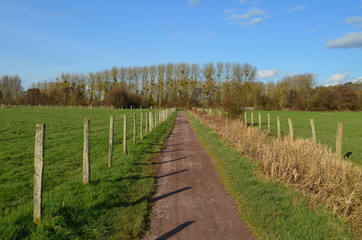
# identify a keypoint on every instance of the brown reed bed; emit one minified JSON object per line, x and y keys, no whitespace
{"x":311,"y":168}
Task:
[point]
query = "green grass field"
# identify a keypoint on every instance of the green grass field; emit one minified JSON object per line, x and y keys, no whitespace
{"x":271,"y":210}
{"x":116,"y":203}
{"x":325,"y":124}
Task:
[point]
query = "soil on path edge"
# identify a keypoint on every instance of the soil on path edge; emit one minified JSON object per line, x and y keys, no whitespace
{"x":190,"y":202}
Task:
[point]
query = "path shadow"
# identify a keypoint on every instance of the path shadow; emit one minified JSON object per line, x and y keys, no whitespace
{"x":169,"y":151}
{"x":173,"y":173}
{"x":176,"y":144}
{"x":168,"y":161}
{"x":175,"y":230}
{"x":170,"y":194}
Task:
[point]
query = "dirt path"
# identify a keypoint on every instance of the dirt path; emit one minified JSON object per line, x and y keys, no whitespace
{"x":190,"y":202}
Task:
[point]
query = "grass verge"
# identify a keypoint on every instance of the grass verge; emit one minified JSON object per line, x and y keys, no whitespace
{"x":271,"y":210}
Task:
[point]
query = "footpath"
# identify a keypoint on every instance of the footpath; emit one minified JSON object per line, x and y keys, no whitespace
{"x":190,"y":202}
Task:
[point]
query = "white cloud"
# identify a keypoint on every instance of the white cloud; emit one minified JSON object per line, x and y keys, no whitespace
{"x":356,"y":20}
{"x":350,"y":40}
{"x":256,"y":21}
{"x":193,"y":3}
{"x":296,"y":8}
{"x":249,"y":14}
{"x":267,"y":74}
{"x":229,"y":11}
{"x":358,"y":80}
{"x":336,"y":79}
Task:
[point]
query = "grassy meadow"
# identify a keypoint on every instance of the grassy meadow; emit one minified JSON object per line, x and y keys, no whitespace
{"x":116,"y":203}
{"x":325,"y":124}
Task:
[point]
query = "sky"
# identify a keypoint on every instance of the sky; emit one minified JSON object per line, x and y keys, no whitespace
{"x":40,"y":39}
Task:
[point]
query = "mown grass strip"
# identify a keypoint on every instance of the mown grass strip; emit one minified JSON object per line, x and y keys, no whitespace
{"x":271,"y":210}
{"x":114,"y":206}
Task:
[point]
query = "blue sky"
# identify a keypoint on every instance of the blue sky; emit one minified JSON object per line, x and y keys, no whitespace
{"x":39,"y":39}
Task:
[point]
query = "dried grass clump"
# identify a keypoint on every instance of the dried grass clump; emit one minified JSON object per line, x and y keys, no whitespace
{"x":313,"y":169}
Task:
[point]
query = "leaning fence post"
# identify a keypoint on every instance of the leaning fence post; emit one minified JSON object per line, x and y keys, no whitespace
{"x":38,"y":172}
{"x":278,"y":126}
{"x":124,"y":134}
{"x":134,"y":128}
{"x":268,"y":115}
{"x":111,"y":140}
{"x":339,"y":138}
{"x":86,"y":152}
{"x":291,"y":130}
{"x":314,"y":137}
{"x":259,"y":120}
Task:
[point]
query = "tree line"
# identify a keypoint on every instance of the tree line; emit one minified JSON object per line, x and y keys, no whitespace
{"x":232,"y":86}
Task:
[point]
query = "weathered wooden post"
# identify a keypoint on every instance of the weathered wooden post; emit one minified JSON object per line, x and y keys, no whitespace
{"x":151,"y":122}
{"x":314,"y":137}
{"x":86,"y":152}
{"x":134,"y":128}
{"x":339,"y":138}
{"x":146,"y":122}
{"x":38,"y":172}
{"x":124,"y":134}
{"x":141,"y":127}
{"x":246,"y":118}
{"x":111,"y":140}
{"x":268,"y":116}
{"x":259,"y":120}
{"x":278,"y":127}
{"x":291,"y":130}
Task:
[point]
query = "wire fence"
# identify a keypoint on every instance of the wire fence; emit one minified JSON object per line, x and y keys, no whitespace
{"x":53,"y":147}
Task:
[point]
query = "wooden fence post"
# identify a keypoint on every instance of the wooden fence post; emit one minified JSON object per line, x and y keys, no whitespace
{"x":246,"y":118}
{"x":291,"y":130}
{"x":125,"y":134}
{"x":86,"y":152}
{"x":111,"y":140}
{"x":141,"y":127}
{"x":38,"y":172}
{"x":151,"y":122}
{"x":339,"y":138}
{"x":134,"y":128}
{"x":252,"y":119}
{"x":259,"y":120}
{"x":314,"y":137}
{"x":278,"y":126}
{"x":146,"y":122}
{"x":268,"y":115}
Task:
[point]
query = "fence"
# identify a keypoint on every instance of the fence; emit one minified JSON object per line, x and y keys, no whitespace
{"x":249,"y":118}
{"x":42,"y":136}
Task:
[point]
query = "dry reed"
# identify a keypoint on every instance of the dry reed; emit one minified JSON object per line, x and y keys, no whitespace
{"x":311,"y":168}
